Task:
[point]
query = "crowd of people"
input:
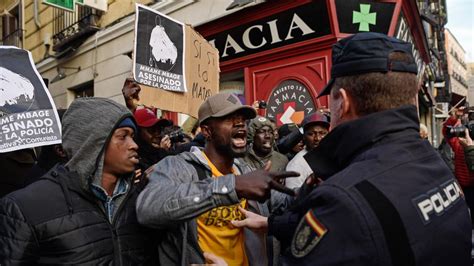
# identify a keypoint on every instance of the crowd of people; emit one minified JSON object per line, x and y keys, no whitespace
{"x":360,"y":185}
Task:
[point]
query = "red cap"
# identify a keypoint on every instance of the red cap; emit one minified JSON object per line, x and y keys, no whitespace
{"x":316,"y":118}
{"x":145,"y":117}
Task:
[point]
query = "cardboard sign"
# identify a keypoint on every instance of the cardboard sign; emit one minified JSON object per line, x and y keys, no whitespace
{"x":28,"y":116}
{"x":201,"y":77}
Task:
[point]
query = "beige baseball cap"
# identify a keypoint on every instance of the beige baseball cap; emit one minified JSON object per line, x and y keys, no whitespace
{"x":223,"y":104}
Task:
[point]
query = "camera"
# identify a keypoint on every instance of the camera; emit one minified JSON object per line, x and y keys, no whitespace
{"x":262,"y":104}
{"x":460,"y":131}
{"x":176,"y":136}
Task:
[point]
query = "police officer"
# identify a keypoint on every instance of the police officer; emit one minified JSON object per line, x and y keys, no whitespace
{"x":387,"y":198}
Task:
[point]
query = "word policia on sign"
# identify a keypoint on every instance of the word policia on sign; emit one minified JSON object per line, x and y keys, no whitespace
{"x":159,"y":51}
{"x":28,"y":116}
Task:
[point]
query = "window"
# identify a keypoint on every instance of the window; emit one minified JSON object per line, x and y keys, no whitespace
{"x":83,"y":90}
{"x":11,"y":31}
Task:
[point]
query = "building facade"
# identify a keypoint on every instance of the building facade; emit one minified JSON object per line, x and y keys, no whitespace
{"x":457,"y":70}
{"x":470,"y":83}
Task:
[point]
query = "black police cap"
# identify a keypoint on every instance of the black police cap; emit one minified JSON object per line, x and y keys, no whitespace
{"x":365,"y":53}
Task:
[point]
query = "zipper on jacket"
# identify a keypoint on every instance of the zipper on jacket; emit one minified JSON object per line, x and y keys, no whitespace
{"x":114,"y":221}
{"x":111,"y":225}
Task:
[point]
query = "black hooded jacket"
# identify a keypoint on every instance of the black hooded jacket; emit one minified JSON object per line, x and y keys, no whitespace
{"x":387,"y":199}
{"x":57,"y":219}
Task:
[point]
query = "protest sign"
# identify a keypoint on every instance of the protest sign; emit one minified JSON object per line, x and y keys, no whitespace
{"x":28,"y":116}
{"x":159,"y":50}
{"x":201,"y":75}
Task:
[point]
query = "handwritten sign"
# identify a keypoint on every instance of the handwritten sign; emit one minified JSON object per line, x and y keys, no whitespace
{"x":202,"y":78}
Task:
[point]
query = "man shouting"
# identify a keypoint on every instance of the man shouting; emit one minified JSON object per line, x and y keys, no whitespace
{"x":195,"y":195}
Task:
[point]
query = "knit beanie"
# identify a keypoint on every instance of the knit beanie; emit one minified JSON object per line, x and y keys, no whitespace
{"x":256,"y":124}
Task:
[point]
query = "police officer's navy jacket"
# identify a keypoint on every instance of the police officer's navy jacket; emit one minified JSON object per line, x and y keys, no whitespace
{"x":387,"y":199}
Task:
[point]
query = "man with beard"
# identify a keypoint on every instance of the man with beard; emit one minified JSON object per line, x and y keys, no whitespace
{"x":261,"y":137}
{"x":387,"y":198}
{"x":82,"y":212}
{"x":315,"y":128}
{"x":195,"y":195}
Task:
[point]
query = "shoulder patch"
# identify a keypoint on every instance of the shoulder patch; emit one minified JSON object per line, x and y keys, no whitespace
{"x":307,"y":235}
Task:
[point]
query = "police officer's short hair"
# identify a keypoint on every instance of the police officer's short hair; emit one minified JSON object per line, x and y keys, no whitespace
{"x":377,"y":91}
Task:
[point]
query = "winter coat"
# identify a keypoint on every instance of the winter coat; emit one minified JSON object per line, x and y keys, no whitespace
{"x":16,"y":166}
{"x":279,"y":161}
{"x":55,"y":221}
{"x":387,"y":199}
{"x":58,"y":219}
{"x":175,"y":196}
{"x":465,"y":178}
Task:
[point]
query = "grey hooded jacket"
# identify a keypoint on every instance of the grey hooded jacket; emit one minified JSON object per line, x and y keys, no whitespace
{"x":57,"y":220}
{"x":175,"y":197}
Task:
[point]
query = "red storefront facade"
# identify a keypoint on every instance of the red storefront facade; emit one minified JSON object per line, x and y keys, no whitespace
{"x":281,"y":50}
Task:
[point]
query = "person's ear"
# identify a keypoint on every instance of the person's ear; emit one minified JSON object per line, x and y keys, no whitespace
{"x":206,"y":132}
{"x":346,"y":104}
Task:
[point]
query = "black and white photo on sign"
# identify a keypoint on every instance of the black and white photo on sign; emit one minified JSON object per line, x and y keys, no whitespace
{"x":159,"y":50}
{"x":28,"y":116}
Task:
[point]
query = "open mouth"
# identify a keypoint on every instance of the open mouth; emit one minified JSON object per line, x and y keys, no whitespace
{"x":267,"y":144}
{"x":134,"y":159}
{"x":239,"y":139}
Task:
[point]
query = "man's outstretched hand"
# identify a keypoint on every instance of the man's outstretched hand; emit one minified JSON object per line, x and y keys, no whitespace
{"x":257,"y":185}
{"x":252,"y":221}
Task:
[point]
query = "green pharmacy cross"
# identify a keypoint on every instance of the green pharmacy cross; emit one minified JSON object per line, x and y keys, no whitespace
{"x":364,"y":17}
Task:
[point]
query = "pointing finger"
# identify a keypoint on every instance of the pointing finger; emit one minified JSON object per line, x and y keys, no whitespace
{"x":284,"y":174}
{"x":279,"y":187}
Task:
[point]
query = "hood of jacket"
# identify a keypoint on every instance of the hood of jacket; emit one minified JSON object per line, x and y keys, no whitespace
{"x":87,"y":127}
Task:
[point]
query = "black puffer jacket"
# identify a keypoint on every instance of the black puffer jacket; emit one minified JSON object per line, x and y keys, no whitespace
{"x":65,"y":225}
{"x":57,"y":219}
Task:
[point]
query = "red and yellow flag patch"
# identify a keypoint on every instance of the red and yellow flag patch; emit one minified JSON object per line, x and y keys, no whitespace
{"x":307,"y":235}
{"x":317,"y":226}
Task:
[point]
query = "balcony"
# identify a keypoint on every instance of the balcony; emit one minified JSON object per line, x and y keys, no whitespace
{"x":71,"y":29}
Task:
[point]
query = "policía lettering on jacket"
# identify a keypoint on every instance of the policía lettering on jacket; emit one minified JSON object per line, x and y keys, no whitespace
{"x":437,"y":201}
